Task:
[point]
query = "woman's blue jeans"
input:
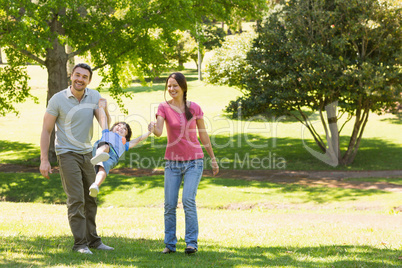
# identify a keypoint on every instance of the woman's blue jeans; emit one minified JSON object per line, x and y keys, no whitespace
{"x":190,"y":173}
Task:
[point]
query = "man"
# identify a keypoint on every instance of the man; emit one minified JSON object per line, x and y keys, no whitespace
{"x":72,"y":110}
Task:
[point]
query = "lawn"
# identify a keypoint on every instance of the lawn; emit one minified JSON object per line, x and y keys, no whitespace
{"x":242,"y":224}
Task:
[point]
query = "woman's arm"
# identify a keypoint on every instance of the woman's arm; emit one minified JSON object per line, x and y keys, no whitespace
{"x":204,"y":137}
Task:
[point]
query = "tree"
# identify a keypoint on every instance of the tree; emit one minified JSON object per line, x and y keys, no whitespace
{"x":228,"y":62}
{"x":338,"y":57}
{"x":207,"y":36}
{"x":187,"y":47}
{"x":121,"y":38}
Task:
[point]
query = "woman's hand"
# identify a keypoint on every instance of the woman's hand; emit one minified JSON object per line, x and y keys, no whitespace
{"x":151,"y":127}
{"x":215,"y":166}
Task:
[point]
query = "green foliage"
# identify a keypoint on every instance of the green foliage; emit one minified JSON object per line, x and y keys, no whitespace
{"x":123,"y":38}
{"x":13,"y":84}
{"x":206,"y":37}
{"x":311,"y":56}
{"x":318,"y":53}
{"x":185,"y":47}
{"x":228,"y":63}
{"x":211,"y":36}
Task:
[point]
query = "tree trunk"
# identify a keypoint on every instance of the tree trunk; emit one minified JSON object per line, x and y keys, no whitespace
{"x":56,"y":65}
{"x":181,"y":65}
{"x":1,"y":57}
{"x":199,"y":62}
{"x":239,"y":26}
{"x":70,"y":62}
{"x":333,"y":151}
{"x":357,"y":134}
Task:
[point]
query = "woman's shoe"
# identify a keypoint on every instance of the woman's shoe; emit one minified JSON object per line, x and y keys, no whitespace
{"x":167,"y":251}
{"x":190,"y":250}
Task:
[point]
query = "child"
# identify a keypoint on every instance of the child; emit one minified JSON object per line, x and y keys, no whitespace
{"x":110,"y":147}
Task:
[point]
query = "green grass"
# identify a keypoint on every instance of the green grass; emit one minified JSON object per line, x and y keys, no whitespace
{"x":242,"y":224}
{"x":213,"y":193}
{"x":397,"y":181}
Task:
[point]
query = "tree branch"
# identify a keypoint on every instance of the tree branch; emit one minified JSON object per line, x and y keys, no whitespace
{"x":29,"y":55}
{"x":347,"y":120}
{"x":312,"y":130}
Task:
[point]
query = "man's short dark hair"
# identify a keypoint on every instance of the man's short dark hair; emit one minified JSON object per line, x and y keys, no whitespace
{"x":84,"y":66}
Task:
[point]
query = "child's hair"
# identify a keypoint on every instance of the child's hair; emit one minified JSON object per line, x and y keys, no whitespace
{"x":128,"y":136}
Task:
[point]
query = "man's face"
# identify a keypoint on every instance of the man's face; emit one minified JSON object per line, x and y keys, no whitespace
{"x":80,"y":79}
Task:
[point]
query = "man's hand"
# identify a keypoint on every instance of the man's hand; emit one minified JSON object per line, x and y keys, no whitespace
{"x":102,"y":103}
{"x":45,"y":168}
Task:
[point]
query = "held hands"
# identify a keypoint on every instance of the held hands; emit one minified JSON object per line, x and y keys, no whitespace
{"x":151,"y":127}
{"x":102,"y":103}
{"x":45,"y":169}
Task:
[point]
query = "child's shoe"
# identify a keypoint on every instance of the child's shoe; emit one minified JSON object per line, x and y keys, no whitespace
{"x":102,"y":157}
{"x":93,"y":190}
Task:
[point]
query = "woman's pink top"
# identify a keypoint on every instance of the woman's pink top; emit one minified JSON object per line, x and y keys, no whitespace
{"x":183,"y":144}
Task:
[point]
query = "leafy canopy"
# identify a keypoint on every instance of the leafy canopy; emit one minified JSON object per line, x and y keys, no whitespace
{"x":313,"y":54}
{"x":121,"y":38}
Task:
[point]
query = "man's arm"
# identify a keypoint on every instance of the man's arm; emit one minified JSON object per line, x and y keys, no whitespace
{"x":108,"y":118}
{"x":48,"y":125}
{"x":102,"y":114}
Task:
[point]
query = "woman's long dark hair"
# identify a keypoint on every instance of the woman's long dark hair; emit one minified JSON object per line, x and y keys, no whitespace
{"x":181,"y":80}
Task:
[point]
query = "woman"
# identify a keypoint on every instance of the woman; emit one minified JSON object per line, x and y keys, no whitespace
{"x":184,"y":159}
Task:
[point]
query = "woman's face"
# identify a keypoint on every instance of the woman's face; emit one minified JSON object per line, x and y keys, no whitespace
{"x":174,"y":89}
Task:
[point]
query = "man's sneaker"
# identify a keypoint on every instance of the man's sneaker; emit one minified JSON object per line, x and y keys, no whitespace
{"x":93,"y":190}
{"x":104,"y":247}
{"x":102,"y":157}
{"x":84,"y":250}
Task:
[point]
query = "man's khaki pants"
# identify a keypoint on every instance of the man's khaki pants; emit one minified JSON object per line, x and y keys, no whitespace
{"x":77,"y":174}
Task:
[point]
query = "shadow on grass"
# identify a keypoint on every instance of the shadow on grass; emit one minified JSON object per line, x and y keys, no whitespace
{"x":31,"y":187}
{"x":56,"y":251}
{"x":306,"y":194}
{"x":237,"y":152}
{"x":240,"y":151}
{"x":397,"y":120}
{"x":250,"y":151}
{"x":18,"y":153}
